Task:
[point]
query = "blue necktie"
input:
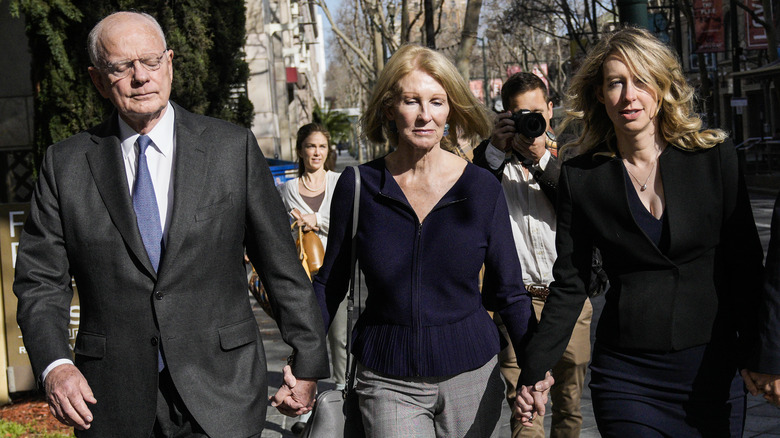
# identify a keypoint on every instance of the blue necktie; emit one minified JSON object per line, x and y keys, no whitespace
{"x":148,"y":214}
{"x":145,"y":206}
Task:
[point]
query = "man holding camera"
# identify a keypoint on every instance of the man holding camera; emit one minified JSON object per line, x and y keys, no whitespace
{"x":517,"y":153}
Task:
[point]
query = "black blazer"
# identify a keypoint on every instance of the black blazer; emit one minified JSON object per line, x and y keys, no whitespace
{"x":769,"y":350}
{"x":707,"y":284}
{"x":82,"y":223}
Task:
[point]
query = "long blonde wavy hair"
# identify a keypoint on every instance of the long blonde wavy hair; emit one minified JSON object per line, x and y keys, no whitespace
{"x":467,"y":118}
{"x":653,"y":63}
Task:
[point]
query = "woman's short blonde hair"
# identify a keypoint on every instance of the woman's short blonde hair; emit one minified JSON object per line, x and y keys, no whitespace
{"x":653,"y":63}
{"x":467,"y":117}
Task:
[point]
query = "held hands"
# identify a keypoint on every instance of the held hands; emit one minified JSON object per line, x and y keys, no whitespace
{"x":68,"y":393}
{"x":768,"y":384}
{"x":295,"y":396}
{"x":530,"y":400}
{"x":307,"y":221}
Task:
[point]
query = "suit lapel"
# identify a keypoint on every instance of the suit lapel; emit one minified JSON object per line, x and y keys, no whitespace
{"x":108,"y":170}
{"x":677,"y":193}
{"x":188,"y":182}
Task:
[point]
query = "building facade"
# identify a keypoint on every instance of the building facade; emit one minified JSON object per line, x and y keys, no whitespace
{"x":286,"y":57}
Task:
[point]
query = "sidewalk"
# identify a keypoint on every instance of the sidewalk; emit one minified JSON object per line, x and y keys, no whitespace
{"x":763,"y":419}
{"x":765,"y":183}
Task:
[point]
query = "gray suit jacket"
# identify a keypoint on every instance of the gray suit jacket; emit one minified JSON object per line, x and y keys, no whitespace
{"x":82,"y":224}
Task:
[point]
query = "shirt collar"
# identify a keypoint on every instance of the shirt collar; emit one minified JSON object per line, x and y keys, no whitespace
{"x":161,"y":134}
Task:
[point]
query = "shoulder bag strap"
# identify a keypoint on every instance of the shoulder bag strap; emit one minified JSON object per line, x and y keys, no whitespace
{"x":351,"y":363}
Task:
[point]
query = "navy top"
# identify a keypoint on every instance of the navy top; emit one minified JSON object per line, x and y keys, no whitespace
{"x":652,"y":226}
{"x":424,"y":313}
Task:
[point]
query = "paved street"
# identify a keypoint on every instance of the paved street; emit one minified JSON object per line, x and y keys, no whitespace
{"x":763,"y":420}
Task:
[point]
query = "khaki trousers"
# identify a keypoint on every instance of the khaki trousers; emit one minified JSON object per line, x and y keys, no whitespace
{"x":569,"y":374}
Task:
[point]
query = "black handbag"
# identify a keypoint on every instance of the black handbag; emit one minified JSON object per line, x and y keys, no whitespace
{"x":336,"y":412}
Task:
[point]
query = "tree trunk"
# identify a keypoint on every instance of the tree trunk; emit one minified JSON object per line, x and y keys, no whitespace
{"x":430,"y":34}
{"x":405,"y":26}
{"x":374,"y":9}
{"x":468,"y":38}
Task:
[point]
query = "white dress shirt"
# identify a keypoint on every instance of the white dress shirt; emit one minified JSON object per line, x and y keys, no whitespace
{"x":531,"y":215}
{"x":159,"y":158}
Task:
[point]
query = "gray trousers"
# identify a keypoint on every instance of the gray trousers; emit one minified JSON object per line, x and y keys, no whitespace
{"x":466,"y":405}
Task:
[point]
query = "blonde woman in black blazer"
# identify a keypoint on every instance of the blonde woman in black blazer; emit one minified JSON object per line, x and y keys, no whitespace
{"x":667,"y":205}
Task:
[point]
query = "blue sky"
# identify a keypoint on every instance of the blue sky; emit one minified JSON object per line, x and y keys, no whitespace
{"x":333,"y":6}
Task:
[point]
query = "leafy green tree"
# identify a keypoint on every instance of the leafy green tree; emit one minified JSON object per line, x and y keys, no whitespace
{"x":338,"y":124}
{"x":207,"y":37}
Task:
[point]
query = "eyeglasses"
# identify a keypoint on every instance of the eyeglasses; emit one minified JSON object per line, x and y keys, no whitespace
{"x":120,"y":70}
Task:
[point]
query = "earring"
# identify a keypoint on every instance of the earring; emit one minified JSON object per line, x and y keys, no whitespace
{"x":446,"y":129}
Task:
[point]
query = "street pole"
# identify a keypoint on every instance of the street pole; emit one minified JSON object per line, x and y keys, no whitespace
{"x":633,"y":12}
{"x":736,"y":90}
{"x":484,"y":75}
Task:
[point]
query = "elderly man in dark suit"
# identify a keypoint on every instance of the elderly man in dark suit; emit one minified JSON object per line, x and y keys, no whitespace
{"x":150,"y":212}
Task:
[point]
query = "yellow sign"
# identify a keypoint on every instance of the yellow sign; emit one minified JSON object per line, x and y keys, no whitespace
{"x":17,"y":364}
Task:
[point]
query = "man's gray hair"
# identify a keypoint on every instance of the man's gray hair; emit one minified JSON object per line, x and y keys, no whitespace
{"x":94,"y":36}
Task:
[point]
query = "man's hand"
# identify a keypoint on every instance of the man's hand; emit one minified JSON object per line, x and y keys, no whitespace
{"x":68,"y":393}
{"x":531,"y":400}
{"x":768,"y":384}
{"x":531,"y":148}
{"x":296,"y":396}
{"x":503,"y":131}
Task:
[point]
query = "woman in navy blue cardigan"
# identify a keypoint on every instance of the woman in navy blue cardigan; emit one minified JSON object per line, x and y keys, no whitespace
{"x":428,"y":221}
{"x":667,"y":206}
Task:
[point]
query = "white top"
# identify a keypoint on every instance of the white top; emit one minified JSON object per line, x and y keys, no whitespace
{"x":531,"y":215}
{"x":292,"y":199}
{"x":159,"y":158}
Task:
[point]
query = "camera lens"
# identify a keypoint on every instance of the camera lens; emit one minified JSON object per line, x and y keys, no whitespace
{"x":529,"y":124}
{"x":534,"y":126}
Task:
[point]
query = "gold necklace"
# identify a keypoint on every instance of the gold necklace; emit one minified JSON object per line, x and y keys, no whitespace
{"x":643,"y":187}
{"x":306,"y":186}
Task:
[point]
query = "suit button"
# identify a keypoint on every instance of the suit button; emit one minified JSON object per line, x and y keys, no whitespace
{"x":154,"y":340}
{"x":159,"y":294}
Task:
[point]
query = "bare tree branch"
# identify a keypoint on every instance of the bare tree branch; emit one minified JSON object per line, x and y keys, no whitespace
{"x":355,"y":49}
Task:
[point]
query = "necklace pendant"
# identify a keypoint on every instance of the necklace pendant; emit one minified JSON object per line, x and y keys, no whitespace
{"x":643,"y":188}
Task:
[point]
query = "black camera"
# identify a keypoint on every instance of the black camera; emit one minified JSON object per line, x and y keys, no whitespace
{"x":529,"y":124}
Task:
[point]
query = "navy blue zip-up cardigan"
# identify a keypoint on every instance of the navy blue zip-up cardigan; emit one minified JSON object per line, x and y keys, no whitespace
{"x":424,"y":314}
